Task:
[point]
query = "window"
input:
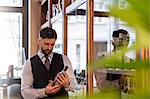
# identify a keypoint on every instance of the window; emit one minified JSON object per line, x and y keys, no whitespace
{"x":57,"y":26}
{"x":123,"y":4}
{"x":99,"y":19}
{"x":58,"y":48}
{"x":78,"y":54}
{"x":100,"y":5}
{"x":17,"y":3}
{"x":80,"y":18}
{"x":99,"y":49}
{"x":10,"y":40}
{"x":122,"y":22}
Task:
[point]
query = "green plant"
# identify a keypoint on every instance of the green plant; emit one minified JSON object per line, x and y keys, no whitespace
{"x":137,"y":16}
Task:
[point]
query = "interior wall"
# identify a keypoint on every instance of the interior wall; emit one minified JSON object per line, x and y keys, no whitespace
{"x":34,"y":26}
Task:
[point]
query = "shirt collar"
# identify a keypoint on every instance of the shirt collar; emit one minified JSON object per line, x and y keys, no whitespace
{"x":41,"y":55}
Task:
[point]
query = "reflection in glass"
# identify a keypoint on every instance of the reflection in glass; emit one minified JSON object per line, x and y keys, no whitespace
{"x":77,"y":49}
{"x":101,"y":5}
{"x":17,"y":3}
{"x":77,"y":41}
{"x":103,"y":29}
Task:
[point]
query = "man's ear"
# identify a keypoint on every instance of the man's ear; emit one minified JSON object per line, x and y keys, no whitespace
{"x":113,"y":43}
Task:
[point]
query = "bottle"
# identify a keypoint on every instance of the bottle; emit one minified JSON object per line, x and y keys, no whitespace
{"x":55,"y":82}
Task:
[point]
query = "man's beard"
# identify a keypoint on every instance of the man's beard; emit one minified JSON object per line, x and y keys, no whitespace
{"x":46,"y":52}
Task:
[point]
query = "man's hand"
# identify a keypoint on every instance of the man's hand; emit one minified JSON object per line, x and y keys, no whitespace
{"x":63,"y":79}
{"x":51,"y":89}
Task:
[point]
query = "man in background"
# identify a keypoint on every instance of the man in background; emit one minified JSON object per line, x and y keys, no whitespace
{"x":105,"y":80}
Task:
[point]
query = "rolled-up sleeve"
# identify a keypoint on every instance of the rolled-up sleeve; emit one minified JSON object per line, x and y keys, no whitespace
{"x":72,"y":79}
{"x":27,"y":91}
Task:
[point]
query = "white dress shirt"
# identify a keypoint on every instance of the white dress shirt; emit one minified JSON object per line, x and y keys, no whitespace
{"x":27,"y":90}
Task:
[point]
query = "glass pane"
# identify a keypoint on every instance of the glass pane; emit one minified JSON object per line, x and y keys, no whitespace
{"x":101,"y":5}
{"x":103,"y":47}
{"x":10,"y":41}
{"x":103,"y":29}
{"x":17,"y":3}
{"x":77,"y":49}
{"x":58,"y":28}
{"x":77,"y":41}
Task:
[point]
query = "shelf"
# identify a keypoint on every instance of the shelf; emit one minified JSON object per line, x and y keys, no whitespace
{"x":44,"y":9}
{"x":74,"y":6}
{"x":119,"y":71}
{"x":83,"y":12}
{"x":46,"y":24}
{"x":122,"y":72}
{"x":55,"y":18}
{"x":101,"y":14}
{"x":43,"y":1}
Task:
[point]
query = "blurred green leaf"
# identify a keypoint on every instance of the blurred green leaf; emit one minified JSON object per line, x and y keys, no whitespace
{"x":115,"y":60}
{"x":137,"y":16}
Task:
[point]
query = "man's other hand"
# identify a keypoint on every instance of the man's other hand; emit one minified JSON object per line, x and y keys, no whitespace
{"x":63,"y":79}
{"x":52,"y":89}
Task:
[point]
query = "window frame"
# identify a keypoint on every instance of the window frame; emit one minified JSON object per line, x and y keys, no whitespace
{"x":24,"y":11}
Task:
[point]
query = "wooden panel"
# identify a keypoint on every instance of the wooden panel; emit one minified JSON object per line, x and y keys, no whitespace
{"x":74,"y":6}
{"x":55,"y":1}
{"x":43,"y":1}
{"x":50,"y":10}
{"x":57,"y":17}
{"x":25,"y":22}
{"x":83,"y":12}
{"x":44,"y":9}
{"x":65,"y":27}
{"x":90,"y":46}
{"x":10,"y":9}
{"x":34,"y":26}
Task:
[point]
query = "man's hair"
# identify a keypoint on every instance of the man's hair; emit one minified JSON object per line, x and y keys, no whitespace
{"x":48,"y":32}
{"x":122,"y":31}
{"x":116,"y":33}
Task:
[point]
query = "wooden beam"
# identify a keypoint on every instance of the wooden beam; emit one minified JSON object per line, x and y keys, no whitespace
{"x":50,"y":11}
{"x":10,"y":9}
{"x":74,"y":6}
{"x":25,"y":28}
{"x":90,"y":46}
{"x":83,"y":12}
{"x":65,"y":26}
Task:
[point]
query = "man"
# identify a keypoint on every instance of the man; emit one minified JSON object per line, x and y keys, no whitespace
{"x":40,"y":70}
{"x":120,"y":39}
{"x":104,"y":80}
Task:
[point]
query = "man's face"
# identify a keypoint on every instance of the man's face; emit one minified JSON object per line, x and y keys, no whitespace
{"x":115,"y":41}
{"x":46,"y":45}
{"x":121,"y":41}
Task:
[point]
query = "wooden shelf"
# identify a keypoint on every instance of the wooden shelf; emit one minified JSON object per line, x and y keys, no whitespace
{"x":119,"y":71}
{"x":101,"y":14}
{"x":43,"y":1}
{"x":72,"y":7}
{"x":123,"y":72}
{"x":83,"y":12}
{"x":44,"y":9}
{"x":55,"y":18}
{"x":46,"y":24}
